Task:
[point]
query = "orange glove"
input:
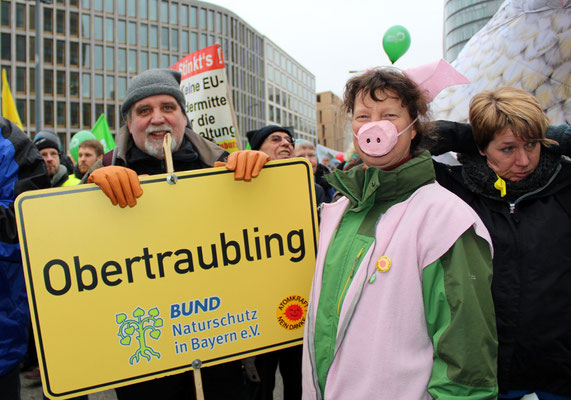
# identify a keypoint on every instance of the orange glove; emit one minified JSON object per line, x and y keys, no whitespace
{"x":120,"y":184}
{"x":246,"y":164}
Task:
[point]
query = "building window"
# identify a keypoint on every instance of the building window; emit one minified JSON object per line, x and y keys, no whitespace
{"x":60,"y":83}
{"x":193,"y":17}
{"x":6,"y":46}
{"x":21,"y":79}
{"x":154,"y":36}
{"x":6,"y":14}
{"x":48,"y":113}
{"x":98,"y":28}
{"x":74,"y":54}
{"x":86,"y":114}
{"x":20,"y":48}
{"x":85,"y":55}
{"x":121,"y":7}
{"x":153,"y":6}
{"x":61,"y":113}
{"x":164,"y":11}
{"x":98,"y":57}
{"x":74,"y":115}
{"x":202,"y":19}
{"x":48,"y":51}
{"x":210,"y":20}
{"x":121,"y":31}
{"x":132,"y":8}
{"x":73,"y":24}
{"x":143,"y":9}
{"x":144,"y":59}
{"x":122,"y":59}
{"x":193,"y":42}
{"x":165,"y":38}
{"x":60,"y":52}
{"x":174,"y":39}
{"x":154,"y":60}
{"x":184,"y":15}
{"x":110,"y":87}
{"x":110,"y":115}
{"x":97,"y":5}
{"x":20,"y":15}
{"x":48,"y":16}
{"x":143,"y":33}
{"x":109,"y":58}
{"x":185,"y":42}
{"x":85,"y":26}
{"x":109,"y":29}
{"x":165,"y":61}
{"x":121,"y":87}
{"x":174,"y":13}
{"x":98,"y":86}
{"x":60,"y":21}
{"x":74,"y":84}
{"x":132,"y":33}
{"x":132,"y":63}
{"x":109,"y":6}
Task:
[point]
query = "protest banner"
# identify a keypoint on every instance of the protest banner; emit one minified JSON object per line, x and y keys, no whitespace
{"x":203,"y":269}
{"x":208,"y":101}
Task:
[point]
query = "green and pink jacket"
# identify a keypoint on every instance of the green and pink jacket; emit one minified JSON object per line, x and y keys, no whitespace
{"x":400,"y":306}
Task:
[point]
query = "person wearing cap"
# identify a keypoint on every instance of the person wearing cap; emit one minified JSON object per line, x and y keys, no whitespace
{"x":21,"y":169}
{"x":154,"y":106}
{"x":48,"y":144}
{"x":278,"y":143}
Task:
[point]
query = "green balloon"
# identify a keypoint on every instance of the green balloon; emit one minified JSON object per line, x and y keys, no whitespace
{"x":76,"y":140}
{"x":396,"y":42}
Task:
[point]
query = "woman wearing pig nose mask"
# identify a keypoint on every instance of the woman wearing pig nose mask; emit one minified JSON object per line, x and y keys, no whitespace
{"x":400,"y":306}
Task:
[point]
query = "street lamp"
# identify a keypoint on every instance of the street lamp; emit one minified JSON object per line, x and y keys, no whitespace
{"x":39,"y":66}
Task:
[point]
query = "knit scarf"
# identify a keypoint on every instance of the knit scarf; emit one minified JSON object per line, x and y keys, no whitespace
{"x":480,"y":178}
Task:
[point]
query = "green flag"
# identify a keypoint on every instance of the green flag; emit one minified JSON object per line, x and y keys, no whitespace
{"x":103,"y":133}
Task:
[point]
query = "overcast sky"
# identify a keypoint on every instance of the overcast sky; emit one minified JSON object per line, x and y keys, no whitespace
{"x":332,"y":37}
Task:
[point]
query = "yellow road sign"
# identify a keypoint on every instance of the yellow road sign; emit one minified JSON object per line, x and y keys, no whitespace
{"x":207,"y":269}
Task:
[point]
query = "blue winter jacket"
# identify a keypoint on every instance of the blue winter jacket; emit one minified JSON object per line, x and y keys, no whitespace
{"x":21,"y":168}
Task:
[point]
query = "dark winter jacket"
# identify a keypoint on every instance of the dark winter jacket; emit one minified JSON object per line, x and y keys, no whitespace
{"x":22,"y":168}
{"x":531,"y":235}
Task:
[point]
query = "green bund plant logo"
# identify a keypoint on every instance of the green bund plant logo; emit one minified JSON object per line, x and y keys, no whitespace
{"x":139,"y":327}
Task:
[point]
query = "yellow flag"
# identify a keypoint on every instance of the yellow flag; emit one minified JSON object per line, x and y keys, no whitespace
{"x":9,"y":110}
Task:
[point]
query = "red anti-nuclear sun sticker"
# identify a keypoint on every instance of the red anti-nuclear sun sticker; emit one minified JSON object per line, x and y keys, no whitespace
{"x":291,"y":312}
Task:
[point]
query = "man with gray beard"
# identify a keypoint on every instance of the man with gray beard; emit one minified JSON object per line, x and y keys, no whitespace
{"x":155,"y":105}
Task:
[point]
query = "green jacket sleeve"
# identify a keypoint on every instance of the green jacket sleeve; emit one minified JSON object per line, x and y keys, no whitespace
{"x":461,"y":321}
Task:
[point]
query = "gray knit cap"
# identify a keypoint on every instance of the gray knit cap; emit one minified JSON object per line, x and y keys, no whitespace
{"x":152,"y":82}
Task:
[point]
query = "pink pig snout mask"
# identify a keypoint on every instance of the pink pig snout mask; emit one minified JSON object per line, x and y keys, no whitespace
{"x":379,"y":137}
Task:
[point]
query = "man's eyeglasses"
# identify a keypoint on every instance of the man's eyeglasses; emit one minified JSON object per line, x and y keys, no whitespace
{"x":277,"y":139}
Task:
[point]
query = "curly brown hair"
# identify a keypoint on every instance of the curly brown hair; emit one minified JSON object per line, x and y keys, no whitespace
{"x":381,"y":80}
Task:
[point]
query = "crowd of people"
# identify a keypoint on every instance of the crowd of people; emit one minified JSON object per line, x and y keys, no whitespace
{"x":431,"y":280}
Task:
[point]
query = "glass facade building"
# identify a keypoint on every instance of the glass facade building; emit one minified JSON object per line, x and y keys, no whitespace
{"x":92,"y":48}
{"x":462,"y":19}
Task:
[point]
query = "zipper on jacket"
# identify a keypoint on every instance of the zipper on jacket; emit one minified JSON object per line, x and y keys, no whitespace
{"x":348,"y":280}
{"x":512,"y":205}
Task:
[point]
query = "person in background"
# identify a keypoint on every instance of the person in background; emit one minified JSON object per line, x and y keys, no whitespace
{"x":277,"y":142}
{"x":21,"y":169}
{"x":90,"y":151}
{"x":400,"y":306}
{"x":305,"y":149}
{"x":520,"y":186}
{"x":50,"y":148}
